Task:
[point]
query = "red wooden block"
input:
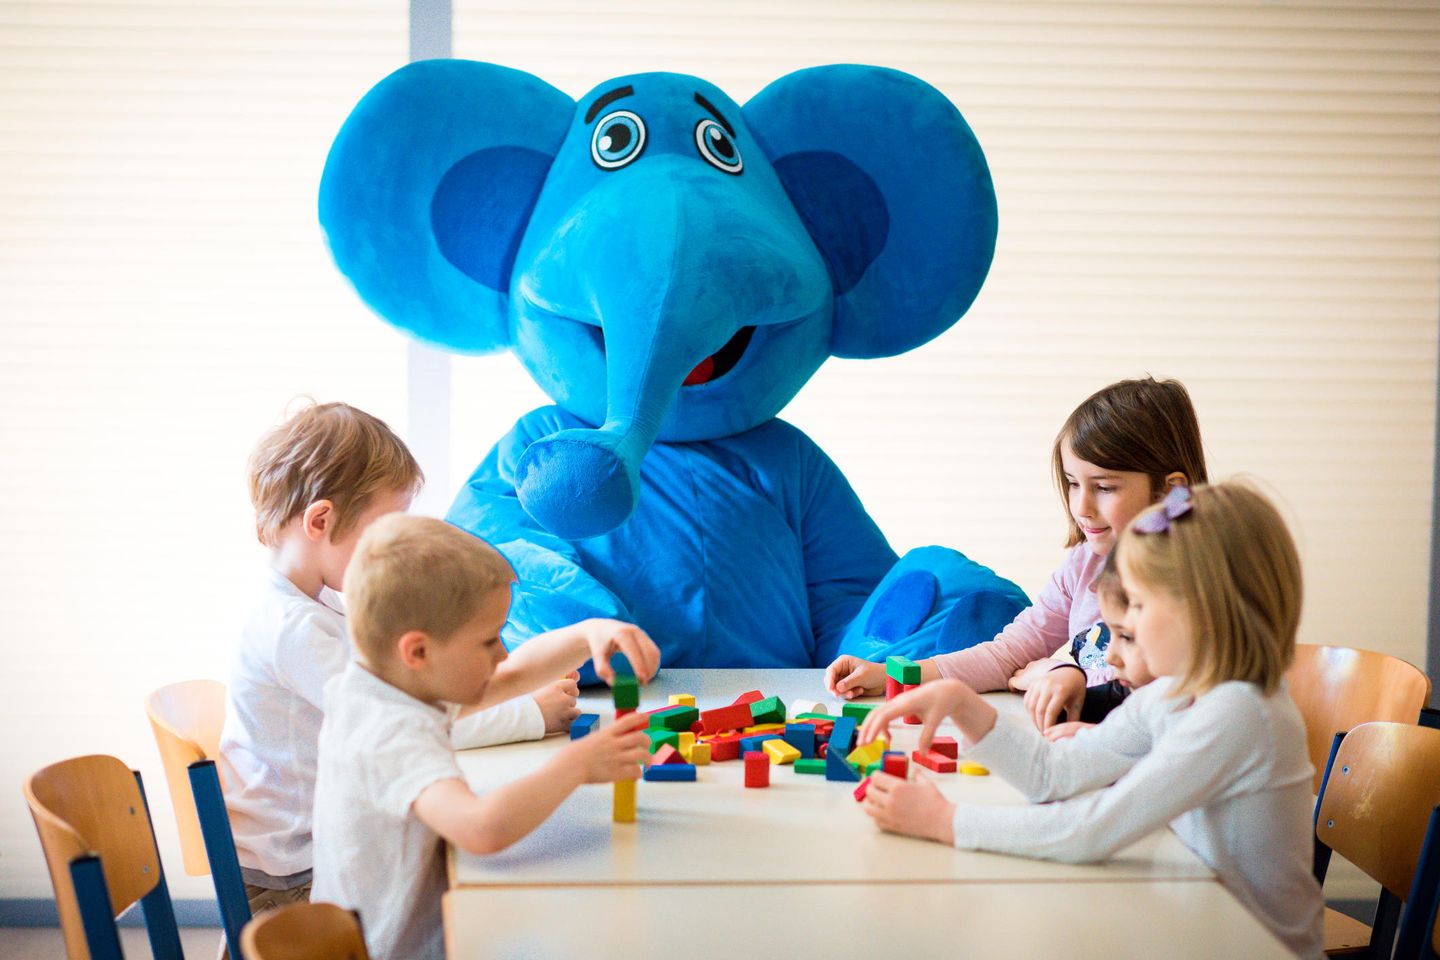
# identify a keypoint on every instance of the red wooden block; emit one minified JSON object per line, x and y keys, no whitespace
{"x":913,"y":718}
{"x":697,"y":728}
{"x":666,"y":754}
{"x":896,"y":765}
{"x":724,"y":749}
{"x":749,"y":697}
{"x":821,"y":749}
{"x":757,"y":769}
{"x":861,"y":790}
{"x":733,"y":717}
{"x":621,"y":711}
{"x":946,"y":747}
{"x":934,"y":761}
{"x":893,"y":687}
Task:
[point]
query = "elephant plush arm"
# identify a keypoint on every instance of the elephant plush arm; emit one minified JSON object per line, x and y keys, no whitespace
{"x":553,"y":589}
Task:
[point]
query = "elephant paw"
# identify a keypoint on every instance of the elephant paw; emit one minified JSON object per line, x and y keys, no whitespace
{"x":902,"y":606}
{"x":576,"y":485}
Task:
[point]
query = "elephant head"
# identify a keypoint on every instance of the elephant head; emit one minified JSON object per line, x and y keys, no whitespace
{"x":666,"y":264}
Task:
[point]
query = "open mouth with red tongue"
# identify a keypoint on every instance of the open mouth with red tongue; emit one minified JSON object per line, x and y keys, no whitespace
{"x":722,"y":361}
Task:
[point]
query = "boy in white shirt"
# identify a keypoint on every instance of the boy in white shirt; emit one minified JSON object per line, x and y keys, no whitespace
{"x":427,"y":602}
{"x":317,"y":481}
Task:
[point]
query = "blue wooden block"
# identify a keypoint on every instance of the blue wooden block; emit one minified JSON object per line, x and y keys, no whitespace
{"x":801,"y":736}
{"x":671,"y":771}
{"x":753,"y":744}
{"x":583,"y":724}
{"x":838,"y":768}
{"x":842,"y":735}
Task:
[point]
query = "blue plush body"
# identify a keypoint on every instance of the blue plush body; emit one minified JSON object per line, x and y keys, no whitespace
{"x":672,"y":268}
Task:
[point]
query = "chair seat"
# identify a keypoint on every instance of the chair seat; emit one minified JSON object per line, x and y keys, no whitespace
{"x":1344,"y":934}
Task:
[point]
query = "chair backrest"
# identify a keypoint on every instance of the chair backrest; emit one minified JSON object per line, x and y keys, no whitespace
{"x":93,"y":805}
{"x":1383,"y":784}
{"x":187,"y":718}
{"x":1338,"y":688}
{"x":305,"y":931}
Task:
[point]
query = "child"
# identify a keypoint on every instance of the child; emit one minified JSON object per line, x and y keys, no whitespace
{"x":1093,"y":703}
{"x":317,"y":481}
{"x":427,"y":602}
{"x":1117,"y":453}
{"x":1214,"y":747}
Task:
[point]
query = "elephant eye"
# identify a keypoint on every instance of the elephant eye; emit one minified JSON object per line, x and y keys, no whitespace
{"x":618,"y":139}
{"x":717,"y":147}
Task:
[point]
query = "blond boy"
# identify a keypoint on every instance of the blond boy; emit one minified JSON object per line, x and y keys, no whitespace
{"x":317,"y":482}
{"x":427,"y":602}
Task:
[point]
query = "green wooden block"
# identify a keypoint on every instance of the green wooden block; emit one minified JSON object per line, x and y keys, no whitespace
{"x":674,"y":718}
{"x":815,"y":766}
{"x":813,"y":716}
{"x":626,"y":690}
{"x":857,"y":710}
{"x":875,"y":767}
{"x":902,"y":669}
{"x":658,"y":738}
{"x":769,"y":710}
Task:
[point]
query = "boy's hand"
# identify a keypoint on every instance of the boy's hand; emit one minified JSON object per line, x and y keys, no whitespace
{"x":914,"y":808}
{"x":616,"y":752}
{"x":932,"y":702}
{"x":851,"y":677}
{"x":608,"y":637}
{"x":1062,"y":690}
{"x":1063,"y":731}
{"x":557,"y":703}
{"x":1024,"y":678}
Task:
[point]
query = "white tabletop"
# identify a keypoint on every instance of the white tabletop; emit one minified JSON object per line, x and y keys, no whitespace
{"x":801,"y":829}
{"x":1175,"y":920}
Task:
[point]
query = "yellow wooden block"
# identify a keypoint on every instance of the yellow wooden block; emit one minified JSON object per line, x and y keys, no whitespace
{"x":780,"y":752}
{"x":973,"y":769}
{"x":685,"y":744}
{"x":862,"y":757}
{"x":682,"y":699}
{"x":765,"y":728}
{"x":624,"y":801}
{"x":700,"y":754}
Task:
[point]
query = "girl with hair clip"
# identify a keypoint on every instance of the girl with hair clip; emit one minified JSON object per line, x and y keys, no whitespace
{"x":1214,"y":747}
{"x":1117,"y":453}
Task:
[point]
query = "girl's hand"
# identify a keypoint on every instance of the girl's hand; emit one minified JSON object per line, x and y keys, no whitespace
{"x":851,"y":677}
{"x":914,"y":808}
{"x":607,"y":637}
{"x":616,"y":752}
{"x":1063,"y":731}
{"x":932,"y":702}
{"x":557,"y":703}
{"x":1062,"y":690}
{"x":1024,"y":678}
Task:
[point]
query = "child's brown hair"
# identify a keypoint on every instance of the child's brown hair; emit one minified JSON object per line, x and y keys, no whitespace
{"x":417,"y":573}
{"x":1141,"y":426}
{"x":327,"y":451}
{"x":1233,"y":564}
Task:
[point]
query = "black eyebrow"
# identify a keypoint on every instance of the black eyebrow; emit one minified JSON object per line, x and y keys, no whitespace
{"x":607,"y":98}
{"x":715,"y":113}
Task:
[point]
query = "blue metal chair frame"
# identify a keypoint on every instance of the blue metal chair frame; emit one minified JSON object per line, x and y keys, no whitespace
{"x":1422,"y":907}
{"x":220,"y":851}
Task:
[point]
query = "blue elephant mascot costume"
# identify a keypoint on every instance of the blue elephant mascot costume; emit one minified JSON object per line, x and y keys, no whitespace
{"x":671,"y":268}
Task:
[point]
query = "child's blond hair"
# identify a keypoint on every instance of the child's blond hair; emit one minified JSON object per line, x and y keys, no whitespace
{"x":1135,"y":426}
{"x":327,"y":451}
{"x":1233,"y":564}
{"x":417,"y":573}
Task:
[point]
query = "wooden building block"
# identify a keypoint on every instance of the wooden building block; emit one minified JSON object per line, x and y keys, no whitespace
{"x":623,"y":810}
{"x":934,"y":761}
{"x":838,"y":768}
{"x":971,"y":769}
{"x":749,"y":696}
{"x":896,"y":764}
{"x":857,"y":710}
{"x":722,"y":750}
{"x":863,"y":789}
{"x":870,"y":753}
{"x":672,"y":772}
{"x":769,"y":710}
{"x":682,"y":699}
{"x":801,"y":736}
{"x":700,"y":754}
{"x":674,"y":718}
{"x":757,"y":769}
{"x":734,"y":717}
{"x":583,"y":724}
{"x":946,"y":747}
{"x":666,"y":754}
{"x":842,"y":735}
{"x":626,"y":691}
{"x":780,"y":752}
{"x":815,"y":766}
{"x":903,"y":669}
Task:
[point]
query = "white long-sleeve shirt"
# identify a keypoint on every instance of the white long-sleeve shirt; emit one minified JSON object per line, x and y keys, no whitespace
{"x":1228,"y":771}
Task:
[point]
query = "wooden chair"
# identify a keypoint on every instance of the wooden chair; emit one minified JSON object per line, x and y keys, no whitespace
{"x":187,"y":719}
{"x":1375,"y":803}
{"x":305,"y":931}
{"x":1419,"y":937}
{"x":99,"y":843}
{"x":1338,"y":688}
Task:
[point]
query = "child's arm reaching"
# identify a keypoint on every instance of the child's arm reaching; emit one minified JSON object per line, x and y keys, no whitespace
{"x":543,"y":658}
{"x":490,"y":822}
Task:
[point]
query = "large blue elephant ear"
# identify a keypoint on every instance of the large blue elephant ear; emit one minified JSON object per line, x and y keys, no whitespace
{"x":894,"y":189}
{"x":428,"y":189}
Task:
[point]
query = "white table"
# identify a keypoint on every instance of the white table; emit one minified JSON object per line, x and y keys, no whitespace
{"x":1177,"y":920}
{"x":802,"y":829}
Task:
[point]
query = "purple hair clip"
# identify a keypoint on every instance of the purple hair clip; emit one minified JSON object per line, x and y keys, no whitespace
{"x":1175,"y":505}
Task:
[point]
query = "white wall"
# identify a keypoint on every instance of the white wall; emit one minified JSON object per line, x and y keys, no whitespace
{"x":1244,"y":196}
